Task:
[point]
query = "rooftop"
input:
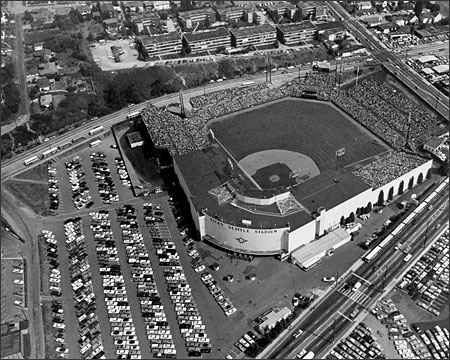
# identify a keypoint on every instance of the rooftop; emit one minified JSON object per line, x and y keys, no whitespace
{"x":254,"y":30}
{"x":434,"y":143}
{"x":304,"y":25}
{"x":233,"y":8}
{"x":205,"y":35}
{"x":335,"y":25}
{"x":159,"y":39}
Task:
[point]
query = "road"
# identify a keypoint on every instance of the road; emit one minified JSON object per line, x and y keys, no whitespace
{"x":393,"y":62}
{"x":328,"y":320}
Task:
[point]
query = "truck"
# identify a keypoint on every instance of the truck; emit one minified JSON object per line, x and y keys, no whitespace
{"x":356,"y":286}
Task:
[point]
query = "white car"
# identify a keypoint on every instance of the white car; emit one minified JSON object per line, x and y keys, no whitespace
{"x":398,"y":246}
{"x":17,"y":271}
{"x":328,"y":279}
{"x":18,"y":282}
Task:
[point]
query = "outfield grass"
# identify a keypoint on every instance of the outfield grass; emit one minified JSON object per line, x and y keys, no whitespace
{"x":313,"y":128}
{"x":34,"y":196}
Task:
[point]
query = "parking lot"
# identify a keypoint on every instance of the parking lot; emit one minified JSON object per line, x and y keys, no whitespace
{"x":102,"y":55}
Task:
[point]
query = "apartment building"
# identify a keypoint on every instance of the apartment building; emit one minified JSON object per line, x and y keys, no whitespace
{"x":258,"y":35}
{"x":293,"y":34}
{"x":166,"y":44}
{"x":207,"y":40}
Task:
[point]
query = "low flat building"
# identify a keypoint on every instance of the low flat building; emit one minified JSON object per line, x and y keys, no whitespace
{"x":351,"y":50}
{"x":433,"y":145}
{"x":386,"y":28}
{"x":207,"y":40}
{"x":331,"y":30}
{"x":43,"y":84}
{"x":274,"y":317}
{"x":135,"y":139}
{"x":145,"y":20}
{"x":313,"y":10}
{"x":166,"y":44}
{"x":294,"y":34}
{"x":373,"y":21}
{"x":258,"y":36}
{"x":47,"y":69}
{"x":46,"y":100}
{"x":441,"y":69}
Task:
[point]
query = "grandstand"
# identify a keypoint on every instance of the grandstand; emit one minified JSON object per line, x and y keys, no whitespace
{"x":275,"y":212}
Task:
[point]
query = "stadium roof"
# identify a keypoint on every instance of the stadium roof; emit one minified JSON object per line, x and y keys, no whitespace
{"x":203,"y":171}
{"x":159,"y":39}
{"x":304,"y":25}
{"x":206,"y":35}
{"x":427,"y":58}
{"x":328,"y":189}
{"x":254,"y":30}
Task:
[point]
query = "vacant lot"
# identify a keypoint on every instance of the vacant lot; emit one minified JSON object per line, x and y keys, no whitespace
{"x":34,"y":195}
{"x":103,"y":56}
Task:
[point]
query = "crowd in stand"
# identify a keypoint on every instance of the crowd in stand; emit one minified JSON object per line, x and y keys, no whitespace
{"x":387,"y":169}
{"x":371,"y":103}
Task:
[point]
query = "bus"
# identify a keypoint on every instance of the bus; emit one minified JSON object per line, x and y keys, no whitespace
{"x":309,"y":355}
{"x":133,"y":115}
{"x":31,"y":160}
{"x":95,"y":130}
{"x":49,"y":151}
{"x":95,"y":143}
{"x":369,"y":257}
{"x":248,"y":83}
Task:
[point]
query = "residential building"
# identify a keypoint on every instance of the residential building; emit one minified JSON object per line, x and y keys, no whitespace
{"x":436,"y":17}
{"x":157,"y":5}
{"x":274,"y":317}
{"x":425,"y":18}
{"x":331,"y":30}
{"x":45,"y":100}
{"x":258,"y":36}
{"x":282,"y":9}
{"x":412,"y":19}
{"x":49,"y":68}
{"x":166,"y":44}
{"x":293,"y":34}
{"x":84,"y":9}
{"x":134,"y":6}
{"x":189,"y":19}
{"x":206,"y":40}
{"x":38,"y":46}
{"x":400,"y":21}
{"x":312,"y":10}
{"x":235,"y":13}
{"x":351,"y":50}
{"x":43,"y":84}
{"x":107,"y":9}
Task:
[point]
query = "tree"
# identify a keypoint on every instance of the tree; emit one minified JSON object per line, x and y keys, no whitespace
{"x":411,"y":183}
{"x":420,"y":178}
{"x":369,"y":207}
{"x":28,"y":17}
{"x":163,"y":15}
{"x":226,"y":68}
{"x":433,"y":7}
{"x":352,"y":217}
{"x":429,"y":174}
{"x":276,"y":44}
{"x":418,"y":8}
{"x":400,"y":5}
{"x":297,"y":16}
{"x":379,"y":8}
{"x":342,"y":222}
{"x":90,"y":37}
{"x":391,"y":193}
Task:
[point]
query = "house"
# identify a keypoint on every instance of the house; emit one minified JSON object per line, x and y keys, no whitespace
{"x":38,"y":46}
{"x":62,"y":11}
{"x":166,"y":44}
{"x":412,"y":19}
{"x":425,"y":18}
{"x":145,"y":20}
{"x":134,"y":6}
{"x":330,"y":45}
{"x":398,"y":20}
{"x":436,"y":17}
{"x":43,"y":84}
{"x":111,"y":25}
{"x":386,"y":28}
{"x":207,"y":40}
{"x":295,"y":33}
{"x":46,"y":69}
{"x":258,"y":35}
{"x":433,"y":145}
{"x":363,"y":5}
{"x":272,"y":318}
{"x":44,"y":55}
{"x":372,"y":21}
{"x":46,"y":100}
{"x":84,"y":9}
{"x":351,"y":50}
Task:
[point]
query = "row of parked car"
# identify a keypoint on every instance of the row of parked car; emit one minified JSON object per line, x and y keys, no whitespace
{"x":52,"y":257}
{"x":77,"y":177}
{"x":122,"y":171}
{"x":360,"y":344}
{"x":53,"y":188}
{"x":152,"y":311}
{"x":430,"y":276}
{"x":17,"y":268}
{"x":103,"y":177}
{"x":60,"y":335}
{"x":121,"y":324}
{"x":188,"y":316}
{"x":90,"y":342}
{"x":220,"y":297}
{"x":437,"y":342}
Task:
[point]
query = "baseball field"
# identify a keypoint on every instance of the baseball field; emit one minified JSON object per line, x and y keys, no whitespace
{"x":313,"y":129}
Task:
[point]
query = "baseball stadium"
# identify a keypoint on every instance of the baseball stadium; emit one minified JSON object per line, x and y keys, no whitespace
{"x":278,"y":172}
